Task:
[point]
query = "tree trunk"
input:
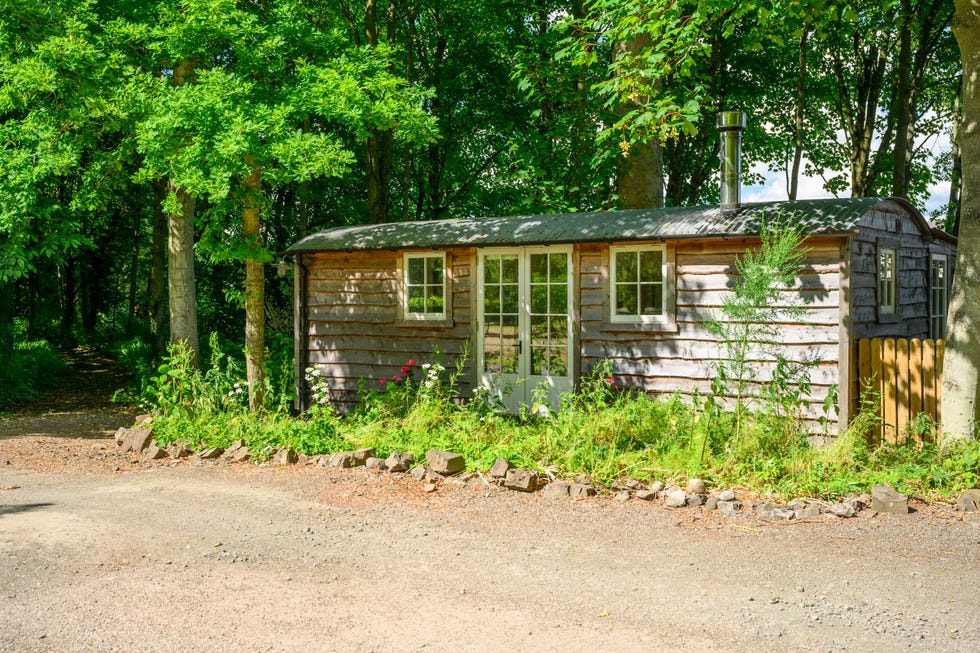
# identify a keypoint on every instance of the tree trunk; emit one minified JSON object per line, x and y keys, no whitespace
{"x":254,"y":291}
{"x":378,"y":145}
{"x":961,"y":366}
{"x":134,"y":261}
{"x":640,"y":173}
{"x":903,"y":118}
{"x":180,"y":273}
{"x":158,"y":269}
{"x":69,"y":298}
{"x":794,"y":176}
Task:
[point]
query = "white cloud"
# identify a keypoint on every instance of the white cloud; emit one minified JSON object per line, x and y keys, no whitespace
{"x":773,"y":188}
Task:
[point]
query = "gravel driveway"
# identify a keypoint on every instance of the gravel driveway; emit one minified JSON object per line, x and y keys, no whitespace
{"x":104,"y":552}
{"x":245,"y":558}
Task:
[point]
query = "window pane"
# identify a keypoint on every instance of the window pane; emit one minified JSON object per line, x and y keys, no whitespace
{"x":559,"y":267}
{"x":939,"y":273}
{"x":558,"y":361}
{"x":509,"y":299}
{"x":491,"y":270}
{"x":626,"y":300}
{"x":509,"y":272}
{"x":539,"y":361}
{"x":433,"y":270}
{"x":491,"y":299}
{"x":539,"y":268}
{"x":435,"y":303}
{"x":539,"y":299}
{"x":625,"y":266}
{"x":539,"y":330}
{"x":559,"y":331}
{"x":651,"y":299}
{"x":651,"y":266}
{"x":886,"y":264}
{"x":416,"y":299}
{"x":416,"y":271}
{"x":559,"y":299}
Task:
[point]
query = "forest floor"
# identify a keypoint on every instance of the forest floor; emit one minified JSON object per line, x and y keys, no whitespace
{"x":103,"y":551}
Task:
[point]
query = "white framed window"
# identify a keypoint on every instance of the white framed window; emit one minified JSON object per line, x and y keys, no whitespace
{"x":938,"y":297}
{"x":424,"y":296}
{"x":640,"y":287}
{"x":887,"y":282}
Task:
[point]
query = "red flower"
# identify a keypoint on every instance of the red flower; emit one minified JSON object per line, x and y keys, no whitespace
{"x":411,"y":362}
{"x":383,"y":381}
{"x":396,"y":378}
{"x":611,"y":380}
{"x":406,"y":369}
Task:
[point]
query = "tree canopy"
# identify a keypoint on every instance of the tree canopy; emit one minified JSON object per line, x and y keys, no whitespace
{"x":251,"y":123}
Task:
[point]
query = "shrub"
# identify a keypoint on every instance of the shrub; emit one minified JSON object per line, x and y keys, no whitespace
{"x":33,"y":368}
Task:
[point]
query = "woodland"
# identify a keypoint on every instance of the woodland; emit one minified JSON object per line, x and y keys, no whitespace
{"x":155,"y":157}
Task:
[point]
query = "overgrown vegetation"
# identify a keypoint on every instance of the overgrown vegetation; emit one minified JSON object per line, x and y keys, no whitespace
{"x":33,"y":367}
{"x":600,"y":431}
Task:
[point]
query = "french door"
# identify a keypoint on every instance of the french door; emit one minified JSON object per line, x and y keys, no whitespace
{"x":524,"y":308}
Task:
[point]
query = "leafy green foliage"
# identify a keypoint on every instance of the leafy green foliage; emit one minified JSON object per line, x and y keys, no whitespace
{"x":600,"y":431}
{"x":748,"y":328}
{"x":33,"y":368}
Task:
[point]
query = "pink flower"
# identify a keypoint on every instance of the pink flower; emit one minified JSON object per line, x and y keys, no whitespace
{"x":611,"y":380}
{"x":411,"y":362}
{"x":406,"y":369}
{"x":383,"y":381}
{"x":396,"y":378}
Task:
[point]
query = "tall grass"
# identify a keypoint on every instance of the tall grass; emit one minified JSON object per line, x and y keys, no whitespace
{"x":34,"y":367}
{"x":600,"y":431}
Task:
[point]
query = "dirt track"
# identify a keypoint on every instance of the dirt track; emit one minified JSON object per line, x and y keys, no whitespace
{"x":209,"y":557}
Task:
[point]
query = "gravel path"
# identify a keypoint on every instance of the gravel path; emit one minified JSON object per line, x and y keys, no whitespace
{"x":220,"y":557}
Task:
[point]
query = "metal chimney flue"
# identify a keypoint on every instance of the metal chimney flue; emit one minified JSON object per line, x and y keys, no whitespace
{"x":730,"y":125}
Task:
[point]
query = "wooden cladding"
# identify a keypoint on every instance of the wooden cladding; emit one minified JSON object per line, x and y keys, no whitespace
{"x":906,"y":377}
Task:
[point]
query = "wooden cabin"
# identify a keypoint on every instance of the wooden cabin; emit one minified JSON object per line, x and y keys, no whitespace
{"x":536,"y":301}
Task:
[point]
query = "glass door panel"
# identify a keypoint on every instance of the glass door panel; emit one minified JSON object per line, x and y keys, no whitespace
{"x":524,"y":305}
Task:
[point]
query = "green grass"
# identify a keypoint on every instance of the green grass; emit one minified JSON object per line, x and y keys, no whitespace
{"x":600,"y":432}
{"x":33,"y":368}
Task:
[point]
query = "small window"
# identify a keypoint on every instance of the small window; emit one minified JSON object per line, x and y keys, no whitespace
{"x":887,"y":282}
{"x":425,"y":286}
{"x":639,"y":285}
{"x":938,"y":300}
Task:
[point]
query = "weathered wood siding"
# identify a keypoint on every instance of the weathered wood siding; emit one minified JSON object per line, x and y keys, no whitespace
{"x":354,"y":329}
{"x":684,"y":359}
{"x":889,"y":225}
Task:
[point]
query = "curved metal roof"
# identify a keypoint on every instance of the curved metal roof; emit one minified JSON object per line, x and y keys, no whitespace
{"x":822,"y":216}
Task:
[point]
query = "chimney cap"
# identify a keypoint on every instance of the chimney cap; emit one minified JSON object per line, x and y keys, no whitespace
{"x":731,"y":120}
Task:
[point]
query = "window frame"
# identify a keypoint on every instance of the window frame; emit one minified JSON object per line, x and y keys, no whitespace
{"x":409,"y":315}
{"x":887,"y":312}
{"x":666,"y":318}
{"x":933,"y":316}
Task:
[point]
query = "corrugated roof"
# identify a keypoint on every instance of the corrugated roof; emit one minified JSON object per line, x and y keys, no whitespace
{"x":823,"y":216}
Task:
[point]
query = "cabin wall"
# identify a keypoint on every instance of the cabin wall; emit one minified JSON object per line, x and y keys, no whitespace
{"x":353,"y":326}
{"x":889,"y":225}
{"x":683,"y":358}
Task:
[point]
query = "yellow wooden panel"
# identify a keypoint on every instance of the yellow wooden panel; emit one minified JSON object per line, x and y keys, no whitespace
{"x":876,"y":384}
{"x":901,"y":387}
{"x":864,"y":369}
{"x":929,"y":403}
{"x":915,"y":379}
{"x":889,"y":401}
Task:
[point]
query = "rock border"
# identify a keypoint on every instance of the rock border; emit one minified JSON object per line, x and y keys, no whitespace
{"x":442,"y":466}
